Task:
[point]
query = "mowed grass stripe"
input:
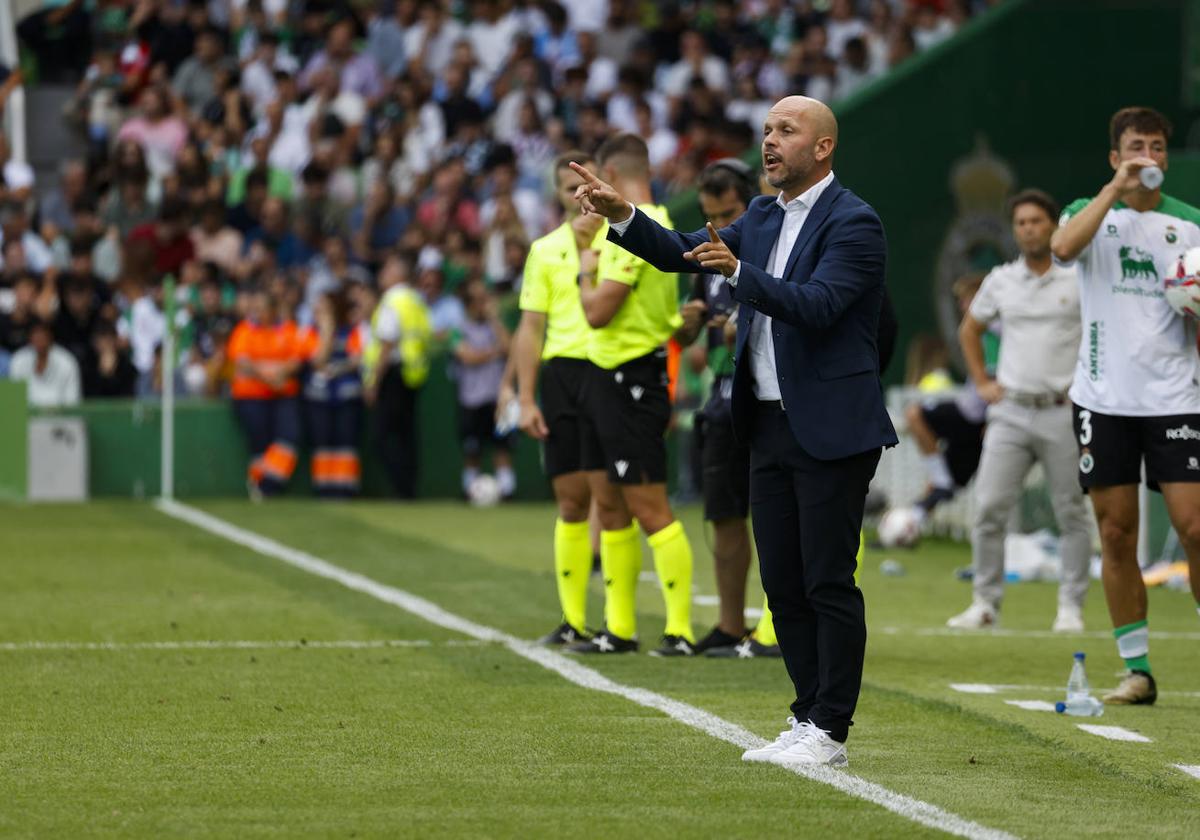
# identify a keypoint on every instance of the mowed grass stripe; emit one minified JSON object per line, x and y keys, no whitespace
{"x":912,"y":809}
{"x":494,"y":566}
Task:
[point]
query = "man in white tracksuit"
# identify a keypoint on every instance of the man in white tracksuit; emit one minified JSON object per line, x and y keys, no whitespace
{"x":1029,"y":416}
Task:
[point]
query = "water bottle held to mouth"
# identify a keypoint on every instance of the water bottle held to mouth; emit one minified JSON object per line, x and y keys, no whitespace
{"x":1151,"y":177}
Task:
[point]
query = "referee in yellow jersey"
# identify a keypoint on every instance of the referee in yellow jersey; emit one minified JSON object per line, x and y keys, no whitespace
{"x":553,"y":334}
{"x":633,"y":309}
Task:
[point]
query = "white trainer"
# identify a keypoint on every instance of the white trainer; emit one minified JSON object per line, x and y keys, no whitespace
{"x":979,"y":616}
{"x":786,"y":738}
{"x":814,"y":747}
{"x":1069,"y":619}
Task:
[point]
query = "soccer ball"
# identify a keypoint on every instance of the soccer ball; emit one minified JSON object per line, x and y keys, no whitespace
{"x":484,"y":491}
{"x":1182,"y":285}
{"x":900,"y":528}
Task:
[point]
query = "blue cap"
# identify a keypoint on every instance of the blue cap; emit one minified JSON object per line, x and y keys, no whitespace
{"x":1060,"y":707}
{"x":1079,"y":655}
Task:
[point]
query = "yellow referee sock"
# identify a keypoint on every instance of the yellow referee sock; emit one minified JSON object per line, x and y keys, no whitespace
{"x":764,"y":633}
{"x":621,"y":561}
{"x":673,"y":562}
{"x":858,"y":558}
{"x":572,"y":566}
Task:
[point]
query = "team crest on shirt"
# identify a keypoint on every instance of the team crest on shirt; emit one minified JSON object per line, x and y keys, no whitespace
{"x":1172,"y":236}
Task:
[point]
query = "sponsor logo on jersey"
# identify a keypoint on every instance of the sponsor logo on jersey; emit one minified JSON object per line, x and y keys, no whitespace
{"x":1086,"y":463}
{"x":1184,"y":432}
{"x":622,"y":468}
{"x":1110,"y":230}
{"x":1194,"y":463}
{"x":1137,"y":264}
{"x":1095,"y":340}
{"x":1172,"y":236}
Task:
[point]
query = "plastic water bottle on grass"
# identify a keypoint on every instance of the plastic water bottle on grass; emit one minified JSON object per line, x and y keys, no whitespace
{"x":1079,"y":701}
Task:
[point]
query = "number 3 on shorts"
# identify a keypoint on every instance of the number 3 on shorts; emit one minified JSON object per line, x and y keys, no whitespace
{"x":1085,"y":427}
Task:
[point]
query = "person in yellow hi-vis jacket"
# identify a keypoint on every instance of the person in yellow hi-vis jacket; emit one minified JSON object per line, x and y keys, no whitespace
{"x":395,"y":366}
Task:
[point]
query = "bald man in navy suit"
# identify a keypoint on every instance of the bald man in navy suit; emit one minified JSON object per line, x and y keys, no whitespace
{"x":808,"y":268}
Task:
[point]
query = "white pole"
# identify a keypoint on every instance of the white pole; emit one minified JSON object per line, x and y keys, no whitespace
{"x":168,"y":397}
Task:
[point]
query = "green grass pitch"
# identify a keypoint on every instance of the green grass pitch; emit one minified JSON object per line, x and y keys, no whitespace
{"x":440,"y":736}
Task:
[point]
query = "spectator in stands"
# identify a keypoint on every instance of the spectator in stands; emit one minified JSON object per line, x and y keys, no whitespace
{"x":51,"y":373}
{"x":59,"y":206}
{"x":167,"y":239}
{"x":78,"y":318}
{"x":480,"y":348}
{"x":159,"y":132}
{"x":216,"y":242}
{"x":108,"y":373}
{"x":14,"y":227}
{"x":195,"y":80}
{"x":445,"y":309}
{"x":377,"y":224}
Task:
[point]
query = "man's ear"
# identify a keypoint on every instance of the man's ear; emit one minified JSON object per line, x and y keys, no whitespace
{"x":1114,"y":159}
{"x":824,"y":148}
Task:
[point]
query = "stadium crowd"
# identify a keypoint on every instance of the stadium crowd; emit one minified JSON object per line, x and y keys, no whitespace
{"x":342,"y":185}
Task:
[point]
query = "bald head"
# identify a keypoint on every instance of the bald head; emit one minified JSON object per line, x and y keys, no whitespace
{"x":799,"y":137}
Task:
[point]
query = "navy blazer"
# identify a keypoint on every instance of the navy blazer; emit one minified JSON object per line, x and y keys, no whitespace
{"x":825,"y":312}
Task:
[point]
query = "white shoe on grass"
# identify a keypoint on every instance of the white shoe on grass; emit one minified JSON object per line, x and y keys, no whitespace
{"x":814,"y":747}
{"x":1069,"y":619}
{"x":786,"y":738}
{"x":979,"y":616}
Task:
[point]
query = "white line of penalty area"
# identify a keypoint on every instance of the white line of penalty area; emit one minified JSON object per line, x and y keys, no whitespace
{"x":240,"y":644}
{"x":916,"y":810}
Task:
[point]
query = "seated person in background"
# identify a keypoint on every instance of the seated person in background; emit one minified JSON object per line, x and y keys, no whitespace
{"x":947,"y":429}
{"x":51,"y":372}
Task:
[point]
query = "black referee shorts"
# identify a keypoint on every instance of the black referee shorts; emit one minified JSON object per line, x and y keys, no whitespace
{"x":626,"y":413}
{"x":562,"y":406}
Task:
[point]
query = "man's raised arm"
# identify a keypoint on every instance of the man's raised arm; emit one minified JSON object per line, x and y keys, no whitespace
{"x":641,"y":235}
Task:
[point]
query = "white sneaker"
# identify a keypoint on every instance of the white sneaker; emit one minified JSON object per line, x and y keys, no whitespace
{"x":1069,"y":619}
{"x":814,"y":747}
{"x":786,"y":738}
{"x":979,"y":616}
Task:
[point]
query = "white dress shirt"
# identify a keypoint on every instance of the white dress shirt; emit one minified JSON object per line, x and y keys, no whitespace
{"x":760,"y":343}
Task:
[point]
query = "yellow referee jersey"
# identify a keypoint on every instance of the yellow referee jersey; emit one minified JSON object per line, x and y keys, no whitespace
{"x":551,"y":286}
{"x":650,"y":314}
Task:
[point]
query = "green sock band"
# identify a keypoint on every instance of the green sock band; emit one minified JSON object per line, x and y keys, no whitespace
{"x":673,"y":563}
{"x":572,"y":567}
{"x":621,"y":561}
{"x":1133,"y":645}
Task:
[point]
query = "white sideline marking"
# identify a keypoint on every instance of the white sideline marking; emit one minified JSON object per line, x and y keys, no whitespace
{"x":985,"y":688}
{"x":1032,"y":705}
{"x":715,"y":601}
{"x":1002,"y":633}
{"x":975,"y":688}
{"x":1192,"y":770}
{"x":239,"y":644}
{"x":916,"y":810}
{"x":1114,"y":733}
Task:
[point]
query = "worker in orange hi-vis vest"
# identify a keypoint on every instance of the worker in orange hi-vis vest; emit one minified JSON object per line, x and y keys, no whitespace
{"x":266,"y":353}
{"x":333,"y":400}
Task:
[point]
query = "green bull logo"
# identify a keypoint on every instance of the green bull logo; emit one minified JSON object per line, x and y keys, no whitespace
{"x":1136,"y":264}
